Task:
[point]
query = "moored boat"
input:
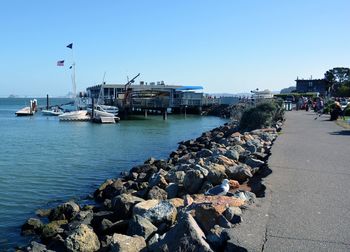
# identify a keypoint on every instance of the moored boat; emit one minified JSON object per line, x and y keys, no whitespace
{"x":79,"y":115}
{"x":30,"y":110}
{"x":52,"y":112}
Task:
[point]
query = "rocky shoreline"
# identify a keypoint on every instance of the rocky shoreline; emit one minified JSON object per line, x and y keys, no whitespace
{"x":161,"y":205}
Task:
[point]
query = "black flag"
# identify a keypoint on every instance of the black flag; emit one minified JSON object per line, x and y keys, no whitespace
{"x":70,"y":46}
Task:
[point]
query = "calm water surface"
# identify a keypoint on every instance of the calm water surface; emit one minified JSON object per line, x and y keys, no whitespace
{"x":44,"y":162}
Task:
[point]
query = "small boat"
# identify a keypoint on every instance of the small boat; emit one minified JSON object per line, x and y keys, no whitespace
{"x":55,"y":111}
{"x":28,"y":111}
{"x":110,"y":109}
{"x":79,"y":115}
{"x":101,"y":115}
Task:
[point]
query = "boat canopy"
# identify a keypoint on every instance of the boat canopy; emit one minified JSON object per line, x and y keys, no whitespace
{"x":188,"y":88}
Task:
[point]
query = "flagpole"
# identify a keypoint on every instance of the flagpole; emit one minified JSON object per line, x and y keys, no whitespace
{"x":73,"y":76}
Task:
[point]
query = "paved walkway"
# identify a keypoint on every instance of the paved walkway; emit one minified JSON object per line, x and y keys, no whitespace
{"x":309,"y":186}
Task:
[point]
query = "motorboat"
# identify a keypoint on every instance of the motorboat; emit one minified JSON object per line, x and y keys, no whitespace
{"x":101,"y":115}
{"x":79,"y":115}
{"x":30,"y":110}
{"x":110,"y":109}
{"x":55,"y":111}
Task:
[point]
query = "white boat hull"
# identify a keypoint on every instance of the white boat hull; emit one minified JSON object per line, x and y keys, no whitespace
{"x":80,"y":115}
{"x":51,"y":112}
{"x":26,"y":111}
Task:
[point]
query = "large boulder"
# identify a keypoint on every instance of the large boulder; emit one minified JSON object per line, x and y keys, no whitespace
{"x":141,"y":226}
{"x":156,"y":212}
{"x":232,"y":154}
{"x":208,"y":216}
{"x":186,"y":235}
{"x":125,"y":243}
{"x":216,"y":173}
{"x":193,"y":181}
{"x":114,"y":189}
{"x":52,"y":229}
{"x":239,"y":172}
{"x":254,"y":163}
{"x":157,"y":193}
{"x":98,"y":194}
{"x":175,"y":176}
{"x":65,"y":211}
{"x":172,"y":190}
{"x":233,"y":214}
{"x":225,"y":161}
{"x":158,"y":179}
{"x":82,"y":239}
{"x":123,"y":204}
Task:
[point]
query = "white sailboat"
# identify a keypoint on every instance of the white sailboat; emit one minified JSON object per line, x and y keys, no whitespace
{"x":104,"y":113}
{"x":78,"y":115}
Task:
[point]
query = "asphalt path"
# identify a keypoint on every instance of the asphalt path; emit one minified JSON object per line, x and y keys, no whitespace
{"x":307,"y":203}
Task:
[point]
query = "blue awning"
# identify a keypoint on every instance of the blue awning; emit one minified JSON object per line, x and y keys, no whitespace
{"x":188,"y":88}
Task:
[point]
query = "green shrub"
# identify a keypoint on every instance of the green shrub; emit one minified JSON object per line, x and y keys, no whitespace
{"x":347,"y":111}
{"x":262,"y":115}
{"x":329,"y":107}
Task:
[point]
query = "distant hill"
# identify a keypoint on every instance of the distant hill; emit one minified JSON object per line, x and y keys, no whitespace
{"x":288,"y":90}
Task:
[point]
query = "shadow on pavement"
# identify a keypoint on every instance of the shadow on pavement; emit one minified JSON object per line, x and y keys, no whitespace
{"x":341,"y":133}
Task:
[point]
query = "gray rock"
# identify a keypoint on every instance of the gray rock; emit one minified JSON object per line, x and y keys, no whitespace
{"x":175,"y":176}
{"x":233,"y":154}
{"x":251,"y":147}
{"x":38,"y":247}
{"x":253,"y":163}
{"x":172,"y":190}
{"x":233,"y":214}
{"x":239,"y":172}
{"x":52,"y":229}
{"x":84,"y":217}
{"x":238,"y":148}
{"x":203,"y":170}
{"x":248,"y":197}
{"x":141,"y":226}
{"x":43,"y":212}
{"x":157,"y":212}
{"x":157,"y":193}
{"x":82,"y":239}
{"x":158,"y":179}
{"x":99,"y":216}
{"x":108,"y":227}
{"x":216,"y":174}
{"x":124,"y":243}
{"x":217,"y":238}
{"x":65,"y":211}
{"x":32,"y":226}
{"x":193,"y":181}
{"x":186,"y":235}
{"x":123,"y":204}
{"x":203,"y":153}
{"x":98,"y":194}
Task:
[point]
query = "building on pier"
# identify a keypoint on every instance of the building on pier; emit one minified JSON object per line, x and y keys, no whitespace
{"x":152,"y":96}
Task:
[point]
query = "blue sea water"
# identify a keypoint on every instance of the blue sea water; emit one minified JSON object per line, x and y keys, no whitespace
{"x":44,"y":162}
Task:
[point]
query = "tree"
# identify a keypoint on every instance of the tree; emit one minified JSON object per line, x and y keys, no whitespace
{"x":336,"y":77}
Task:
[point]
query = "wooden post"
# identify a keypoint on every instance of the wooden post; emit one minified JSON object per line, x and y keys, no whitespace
{"x":165,"y":114}
{"x":146,"y":111}
{"x":47,"y":102}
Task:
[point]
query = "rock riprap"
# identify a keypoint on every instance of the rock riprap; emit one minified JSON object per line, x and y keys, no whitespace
{"x":160,"y":205}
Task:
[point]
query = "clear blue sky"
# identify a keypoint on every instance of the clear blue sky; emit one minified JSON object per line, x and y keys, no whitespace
{"x":226,"y":46}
